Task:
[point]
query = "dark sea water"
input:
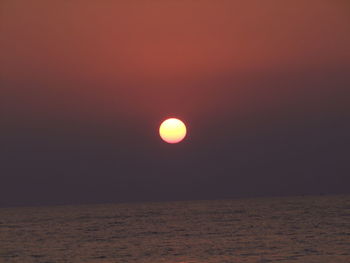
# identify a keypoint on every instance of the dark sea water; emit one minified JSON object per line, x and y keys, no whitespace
{"x":297,"y":229}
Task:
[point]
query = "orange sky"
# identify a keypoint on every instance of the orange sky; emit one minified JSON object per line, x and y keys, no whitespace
{"x":262,"y":85}
{"x":164,"y":57}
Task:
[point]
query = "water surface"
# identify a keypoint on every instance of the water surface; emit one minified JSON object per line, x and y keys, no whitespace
{"x":293,"y":229}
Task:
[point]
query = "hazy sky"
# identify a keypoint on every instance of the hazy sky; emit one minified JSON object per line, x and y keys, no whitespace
{"x":264,"y":87}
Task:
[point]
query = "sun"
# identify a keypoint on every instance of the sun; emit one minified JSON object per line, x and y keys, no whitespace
{"x":172,"y":130}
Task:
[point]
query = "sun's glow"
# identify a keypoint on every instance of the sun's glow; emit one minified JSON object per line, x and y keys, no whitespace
{"x":172,"y":130}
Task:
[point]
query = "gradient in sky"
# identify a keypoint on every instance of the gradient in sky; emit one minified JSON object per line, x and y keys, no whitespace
{"x":263,"y":87}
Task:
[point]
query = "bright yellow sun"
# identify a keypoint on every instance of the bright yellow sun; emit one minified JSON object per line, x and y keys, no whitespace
{"x":172,"y":130}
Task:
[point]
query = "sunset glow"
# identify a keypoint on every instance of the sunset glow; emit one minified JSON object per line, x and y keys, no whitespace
{"x":172,"y":130}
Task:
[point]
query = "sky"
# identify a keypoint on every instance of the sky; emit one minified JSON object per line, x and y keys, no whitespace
{"x":263,"y":87}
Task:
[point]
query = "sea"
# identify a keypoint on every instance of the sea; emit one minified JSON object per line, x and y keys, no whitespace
{"x":312,"y":229}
